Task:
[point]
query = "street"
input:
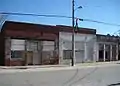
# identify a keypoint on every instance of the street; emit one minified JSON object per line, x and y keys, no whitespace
{"x":76,"y":76}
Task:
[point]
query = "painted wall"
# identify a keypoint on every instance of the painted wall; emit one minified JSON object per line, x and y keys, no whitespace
{"x":7,"y":51}
{"x":85,"y":43}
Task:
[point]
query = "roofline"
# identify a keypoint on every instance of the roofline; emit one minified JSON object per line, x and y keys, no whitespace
{"x":78,"y":27}
{"x":56,"y":28}
{"x":29,"y":23}
{"x":106,"y":35}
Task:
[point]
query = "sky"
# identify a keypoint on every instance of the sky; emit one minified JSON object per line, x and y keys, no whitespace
{"x":100,"y":10}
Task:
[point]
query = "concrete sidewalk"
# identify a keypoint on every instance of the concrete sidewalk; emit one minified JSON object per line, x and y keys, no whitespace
{"x":31,"y":67}
{"x":45,"y":68}
{"x":98,"y":63}
{"x":61,"y":66}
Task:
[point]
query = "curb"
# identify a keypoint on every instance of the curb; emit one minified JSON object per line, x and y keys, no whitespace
{"x":98,"y":63}
{"x":60,"y":66}
{"x":31,"y":67}
{"x":51,"y":68}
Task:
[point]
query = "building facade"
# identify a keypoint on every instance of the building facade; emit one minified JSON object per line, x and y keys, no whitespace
{"x":26,"y":44}
{"x":84,"y":46}
{"x":107,"y":48}
{"x":35,"y":44}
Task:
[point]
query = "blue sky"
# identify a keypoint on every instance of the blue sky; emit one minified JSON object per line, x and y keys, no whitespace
{"x":101,"y":10}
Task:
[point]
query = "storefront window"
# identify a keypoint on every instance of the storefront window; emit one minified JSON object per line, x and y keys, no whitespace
{"x":17,"y":54}
{"x":67,"y":54}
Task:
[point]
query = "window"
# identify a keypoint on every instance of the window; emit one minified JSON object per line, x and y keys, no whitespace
{"x":32,"y":46}
{"x":17,"y":54}
{"x":67,"y":54}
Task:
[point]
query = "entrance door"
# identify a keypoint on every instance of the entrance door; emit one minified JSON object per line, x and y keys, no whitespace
{"x":29,"y":58}
{"x":119,"y":55}
{"x":107,"y":52}
{"x":101,"y":52}
{"x":101,"y":56}
{"x":36,"y":58}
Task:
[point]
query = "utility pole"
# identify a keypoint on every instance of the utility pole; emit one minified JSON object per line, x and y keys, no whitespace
{"x":73,"y":34}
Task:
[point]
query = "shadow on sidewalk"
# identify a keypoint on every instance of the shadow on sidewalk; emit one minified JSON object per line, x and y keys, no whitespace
{"x":116,"y":84}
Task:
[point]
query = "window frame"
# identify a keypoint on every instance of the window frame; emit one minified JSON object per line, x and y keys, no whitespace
{"x":23,"y":54}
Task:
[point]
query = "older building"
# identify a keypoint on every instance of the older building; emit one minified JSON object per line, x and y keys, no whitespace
{"x":28,"y":44}
{"x":36,"y":44}
{"x":84,"y":45}
{"x":107,"y":47}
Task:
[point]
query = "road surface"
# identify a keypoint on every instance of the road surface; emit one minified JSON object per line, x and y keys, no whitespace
{"x":91,"y":76}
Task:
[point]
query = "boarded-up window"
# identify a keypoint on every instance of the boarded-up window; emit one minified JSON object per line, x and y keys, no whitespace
{"x":67,"y":54}
{"x":17,"y":44}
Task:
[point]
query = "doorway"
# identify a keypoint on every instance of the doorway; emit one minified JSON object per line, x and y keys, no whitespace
{"x":29,"y":58}
{"x":101,"y":55}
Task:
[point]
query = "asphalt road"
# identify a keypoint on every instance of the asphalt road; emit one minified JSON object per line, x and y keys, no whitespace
{"x":93,"y":76}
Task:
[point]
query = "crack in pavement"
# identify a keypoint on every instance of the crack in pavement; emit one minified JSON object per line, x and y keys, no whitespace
{"x":86,"y":75}
{"x":75,"y":74}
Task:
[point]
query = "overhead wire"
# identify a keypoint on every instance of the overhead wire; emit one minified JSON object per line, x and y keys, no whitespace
{"x":29,"y":14}
{"x":59,"y":16}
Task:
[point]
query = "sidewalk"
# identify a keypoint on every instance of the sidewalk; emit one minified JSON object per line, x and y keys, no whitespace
{"x":61,"y":66}
{"x":31,"y":67}
{"x":41,"y":68}
{"x":98,"y":63}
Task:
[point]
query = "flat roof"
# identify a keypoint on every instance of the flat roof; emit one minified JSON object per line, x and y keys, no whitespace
{"x":14,"y":25}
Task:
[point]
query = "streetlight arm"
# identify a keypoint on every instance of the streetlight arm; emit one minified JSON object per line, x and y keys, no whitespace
{"x":78,"y":8}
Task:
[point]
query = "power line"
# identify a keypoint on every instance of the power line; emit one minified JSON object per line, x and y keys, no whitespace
{"x":28,"y":14}
{"x":101,"y":22}
{"x":117,"y":33}
{"x":59,"y":16}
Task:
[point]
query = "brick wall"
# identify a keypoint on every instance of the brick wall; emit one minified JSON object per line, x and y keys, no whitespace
{"x":7,"y":51}
{"x":16,"y":62}
{"x":1,"y":49}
